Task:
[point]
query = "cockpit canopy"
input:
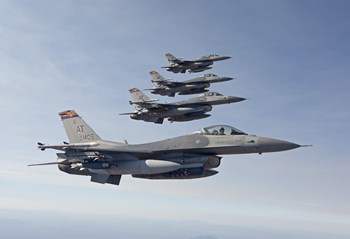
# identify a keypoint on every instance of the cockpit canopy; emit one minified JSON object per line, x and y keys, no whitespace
{"x":212,"y":93}
{"x":210,"y":75}
{"x":221,"y":130}
{"x":208,"y":56}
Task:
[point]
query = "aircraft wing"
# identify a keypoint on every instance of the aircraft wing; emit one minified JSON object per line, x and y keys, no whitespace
{"x":174,"y":83}
{"x":184,"y":62}
{"x":146,"y":105}
{"x":168,"y":84}
{"x":150,"y":105}
{"x":176,"y":68}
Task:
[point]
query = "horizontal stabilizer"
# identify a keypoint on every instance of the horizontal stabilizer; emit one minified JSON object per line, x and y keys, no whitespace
{"x":159,"y":121}
{"x":114,"y":179}
{"x":99,"y":178}
{"x":105,"y":178}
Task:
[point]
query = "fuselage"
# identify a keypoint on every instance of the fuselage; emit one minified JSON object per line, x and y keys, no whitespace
{"x":203,"y":144}
{"x":211,"y":100}
{"x":174,"y":111}
{"x":192,"y":86}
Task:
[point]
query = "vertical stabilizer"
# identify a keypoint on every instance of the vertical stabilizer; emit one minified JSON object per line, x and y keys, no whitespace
{"x":78,"y":131}
{"x":156,"y":77}
{"x":171,"y":58}
{"x":138,"y":96}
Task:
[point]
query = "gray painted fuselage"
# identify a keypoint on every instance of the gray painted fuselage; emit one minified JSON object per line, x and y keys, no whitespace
{"x":192,"y":86}
{"x":199,"y":144}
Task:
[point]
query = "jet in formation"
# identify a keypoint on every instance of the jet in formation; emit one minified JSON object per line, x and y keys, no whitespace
{"x":184,"y":157}
{"x":178,"y":65}
{"x":194,"y":108}
{"x":167,"y":87}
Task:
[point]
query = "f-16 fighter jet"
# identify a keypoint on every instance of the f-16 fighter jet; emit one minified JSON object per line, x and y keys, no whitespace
{"x":196,"y":85}
{"x":195,"y":108}
{"x":180,"y":65}
{"x":183,"y":157}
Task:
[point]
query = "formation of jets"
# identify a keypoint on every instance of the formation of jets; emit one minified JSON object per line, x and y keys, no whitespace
{"x":194,"y":155}
{"x":187,"y":110}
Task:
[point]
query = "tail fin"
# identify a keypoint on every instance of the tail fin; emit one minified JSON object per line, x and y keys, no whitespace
{"x":138,"y":96}
{"x":171,"y":58}
{"x":78,"y":131}
{"x":157,"y":79}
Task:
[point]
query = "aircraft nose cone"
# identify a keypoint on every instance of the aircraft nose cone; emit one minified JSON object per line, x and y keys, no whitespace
{"x":233,"y":99}
{"x":225,"y":78}
{"x":275,"y":145}
{"x":225,"y":57}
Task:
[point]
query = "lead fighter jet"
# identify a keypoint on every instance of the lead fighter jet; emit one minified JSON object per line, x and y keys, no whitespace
{"x":196,"y":85}
{"x":183,"y":157}
{"x":201,"y":64}
{"x":195,"y":108}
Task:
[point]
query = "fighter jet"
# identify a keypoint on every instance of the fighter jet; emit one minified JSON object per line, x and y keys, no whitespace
{"x":183,"y":157}
{"x":195,"y":108}
{"x":203,"y":63}
{"x":197,"y":85}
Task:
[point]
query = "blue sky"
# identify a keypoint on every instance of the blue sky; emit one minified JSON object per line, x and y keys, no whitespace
{"x":291,"y":58}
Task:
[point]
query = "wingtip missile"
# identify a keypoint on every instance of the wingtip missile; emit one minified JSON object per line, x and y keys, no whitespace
{"x":41,"y":146}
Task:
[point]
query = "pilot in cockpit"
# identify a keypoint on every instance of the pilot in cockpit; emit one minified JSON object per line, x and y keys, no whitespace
{"x":222,"y":131}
